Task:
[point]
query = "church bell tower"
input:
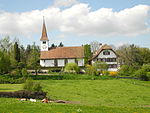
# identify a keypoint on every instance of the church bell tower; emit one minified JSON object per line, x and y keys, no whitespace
{"x":44,"y":39}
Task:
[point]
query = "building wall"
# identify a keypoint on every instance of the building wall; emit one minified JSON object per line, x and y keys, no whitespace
{"x":80,"y":62}
{"x":60,"y":62}
{"x":111,"y":55}
{"x":47,"y":63}
{"x":71,"y":60}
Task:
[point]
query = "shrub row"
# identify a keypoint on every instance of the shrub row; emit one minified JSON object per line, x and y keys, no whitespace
{"x":23,"y":94}
{"x":5,"y":80}
{"x":67,"y":76}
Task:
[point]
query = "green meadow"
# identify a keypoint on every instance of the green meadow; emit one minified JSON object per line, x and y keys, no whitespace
{"x":87,"y":96}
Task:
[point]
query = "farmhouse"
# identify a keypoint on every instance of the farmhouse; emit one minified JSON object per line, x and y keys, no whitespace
{"x":108,"y":55}
{"x":59,"y":56}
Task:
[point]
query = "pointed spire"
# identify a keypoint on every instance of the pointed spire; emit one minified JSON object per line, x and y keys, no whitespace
{"x":44,"y":32}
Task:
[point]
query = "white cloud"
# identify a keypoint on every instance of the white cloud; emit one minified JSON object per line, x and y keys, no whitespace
{"x":78,"y":19}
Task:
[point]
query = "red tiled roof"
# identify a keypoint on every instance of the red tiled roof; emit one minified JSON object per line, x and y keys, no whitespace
{"x":63,"y":52}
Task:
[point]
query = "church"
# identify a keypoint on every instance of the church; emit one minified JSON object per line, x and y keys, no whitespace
{"x":60,"y":56}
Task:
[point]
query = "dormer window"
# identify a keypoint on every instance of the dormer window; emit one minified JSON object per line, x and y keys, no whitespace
{"x":44,"y":42}
{"x":106,"y":53}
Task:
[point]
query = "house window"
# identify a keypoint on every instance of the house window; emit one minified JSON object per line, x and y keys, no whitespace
{"x":106,"y":53}
{"x":113,"y":66}
{"x":111,"y":59}
{"x":44,"y":42}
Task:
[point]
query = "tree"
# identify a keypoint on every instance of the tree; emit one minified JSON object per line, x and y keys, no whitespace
{"x":53,"y":45}
{"x":95,"y":46}
{"x":16,"y":52}
{"x":5,"y":44}
{"x":130,"y":55}
{"x":4,"y":62}
{"x":61,"y":45}
{"x":33,"y":61}
{"x":87,"y":53}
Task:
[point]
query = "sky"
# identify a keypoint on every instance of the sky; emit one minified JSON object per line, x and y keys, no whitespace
{"x":77,"y":22}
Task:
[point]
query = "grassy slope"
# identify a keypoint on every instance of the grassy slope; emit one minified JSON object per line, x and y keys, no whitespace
{"x":100,"y":92}
{"x":107,"y":96}
{"x":10,"y":87}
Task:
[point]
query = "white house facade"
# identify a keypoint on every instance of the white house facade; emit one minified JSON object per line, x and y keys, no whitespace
{"x":108,"y":55}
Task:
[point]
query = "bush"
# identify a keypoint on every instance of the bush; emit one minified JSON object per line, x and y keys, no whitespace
{"x":148,"y":75}
{"x":72,"y":68}
{"x":143,"y":73}
{"x":16,"y":73}
{"x":113,"y":73}
{"x":91,"y":70}
{"x":32,"y":86}
{"x":126,"y":70}
{"x":100,"y":67}
{"x":4,"y":80}
{"x":25,"y":73}
{"x":24,"y":94}
{"x":146,"y":67}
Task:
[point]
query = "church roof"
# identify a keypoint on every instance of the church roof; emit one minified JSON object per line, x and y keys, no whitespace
{"x":44,"y":32}
{"x":63,"y":52}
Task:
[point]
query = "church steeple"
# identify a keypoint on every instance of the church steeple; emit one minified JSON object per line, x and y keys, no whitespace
{"x":44,"y":39}
{"x":44,"y":32}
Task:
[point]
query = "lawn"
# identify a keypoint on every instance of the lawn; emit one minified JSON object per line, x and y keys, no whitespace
{"x":93,"y":96}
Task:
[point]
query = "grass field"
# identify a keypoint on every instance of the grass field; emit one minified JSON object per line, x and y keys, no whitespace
{"x":94,"y":96}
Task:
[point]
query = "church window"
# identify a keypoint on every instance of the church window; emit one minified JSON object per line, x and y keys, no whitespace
{"x":44,"y":42}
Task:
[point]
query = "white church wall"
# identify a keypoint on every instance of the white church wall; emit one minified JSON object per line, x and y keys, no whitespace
{"x":80,"y":62}
{"x":71,"y":60}
{"x":61,"y":62}
{"x":47,"y":63}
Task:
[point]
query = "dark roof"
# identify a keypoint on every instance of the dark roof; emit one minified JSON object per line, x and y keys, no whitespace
{"x":63,"y":52}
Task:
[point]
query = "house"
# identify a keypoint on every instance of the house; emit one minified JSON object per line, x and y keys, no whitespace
{"x":108,"y":55}
{"x":59,"y":56}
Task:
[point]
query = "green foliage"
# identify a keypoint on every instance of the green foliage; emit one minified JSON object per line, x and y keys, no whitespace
{"x":133,"y":55}
{"x":72,"y":68}
{"x":126,"y":70}
{"x":61,"y":44}
{"x":25,"y":73}
{"x":87,"y":53}
{"x":101,"y":66}
{"x":30,"y":85}
{"x":93,"y":96}
{"x":16,"y":52}
{"x":4,"y":63}
{"x":9,"y":80}
{"x":143,"y":73}
{"x":33,"y":61}
{"x":16,"y":72}
{"x":91,"y":70}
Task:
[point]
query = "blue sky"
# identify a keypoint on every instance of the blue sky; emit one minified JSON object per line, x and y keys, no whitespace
{"x":66,"y":21}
